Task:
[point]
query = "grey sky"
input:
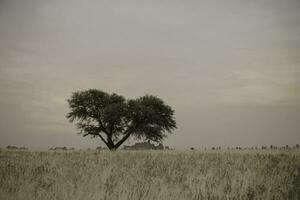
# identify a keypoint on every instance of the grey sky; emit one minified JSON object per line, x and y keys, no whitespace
{"x":230,"y":69}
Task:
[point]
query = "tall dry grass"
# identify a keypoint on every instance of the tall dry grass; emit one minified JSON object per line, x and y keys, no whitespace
{"x":137,"y":175}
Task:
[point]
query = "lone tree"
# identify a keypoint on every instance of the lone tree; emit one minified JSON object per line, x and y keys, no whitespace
{"x":114,"y":119}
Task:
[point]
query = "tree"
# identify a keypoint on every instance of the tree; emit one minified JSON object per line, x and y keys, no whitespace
{"x":114,"y":119}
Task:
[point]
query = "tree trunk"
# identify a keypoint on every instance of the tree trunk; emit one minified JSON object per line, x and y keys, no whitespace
{"x":110,"y":144}
{"x":111,"y":147}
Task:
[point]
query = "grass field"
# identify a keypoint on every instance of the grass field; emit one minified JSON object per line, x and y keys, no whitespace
{"x":137,"y":175}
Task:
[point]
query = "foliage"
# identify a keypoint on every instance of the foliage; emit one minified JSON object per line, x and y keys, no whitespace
{"x":114,"y":119}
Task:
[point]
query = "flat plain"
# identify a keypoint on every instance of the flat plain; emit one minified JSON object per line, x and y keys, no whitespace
{"x":137,"y":175}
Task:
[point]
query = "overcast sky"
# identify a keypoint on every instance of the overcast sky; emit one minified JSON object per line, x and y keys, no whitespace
{"x":230,"y":69}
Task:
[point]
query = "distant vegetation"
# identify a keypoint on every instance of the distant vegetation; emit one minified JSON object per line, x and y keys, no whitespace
{"x":62,"y":148}
{"x":16,"y":148}
{"x":150,"y":175}
{"x":145,"y":146}
{"x":148,"y":146}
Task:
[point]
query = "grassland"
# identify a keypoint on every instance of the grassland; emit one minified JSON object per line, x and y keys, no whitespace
{"x":137,"y":175}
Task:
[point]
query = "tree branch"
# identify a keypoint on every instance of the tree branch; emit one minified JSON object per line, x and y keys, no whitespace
{"x":102,"y":138}
{"x":111,"y":128}
{"x":124,"y":138}
{"x":102,"y":126}
{"x":96,"y":134}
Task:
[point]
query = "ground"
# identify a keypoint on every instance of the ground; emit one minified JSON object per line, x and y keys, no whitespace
{"x":137,"y":175}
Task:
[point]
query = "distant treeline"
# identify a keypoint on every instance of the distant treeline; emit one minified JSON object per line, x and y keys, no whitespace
{"x":139,"y":147}
{"x":253,"y":148}
{"x":15,"y":147}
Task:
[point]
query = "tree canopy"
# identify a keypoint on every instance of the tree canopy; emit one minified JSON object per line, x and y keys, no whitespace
{"x":114,"y":119}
